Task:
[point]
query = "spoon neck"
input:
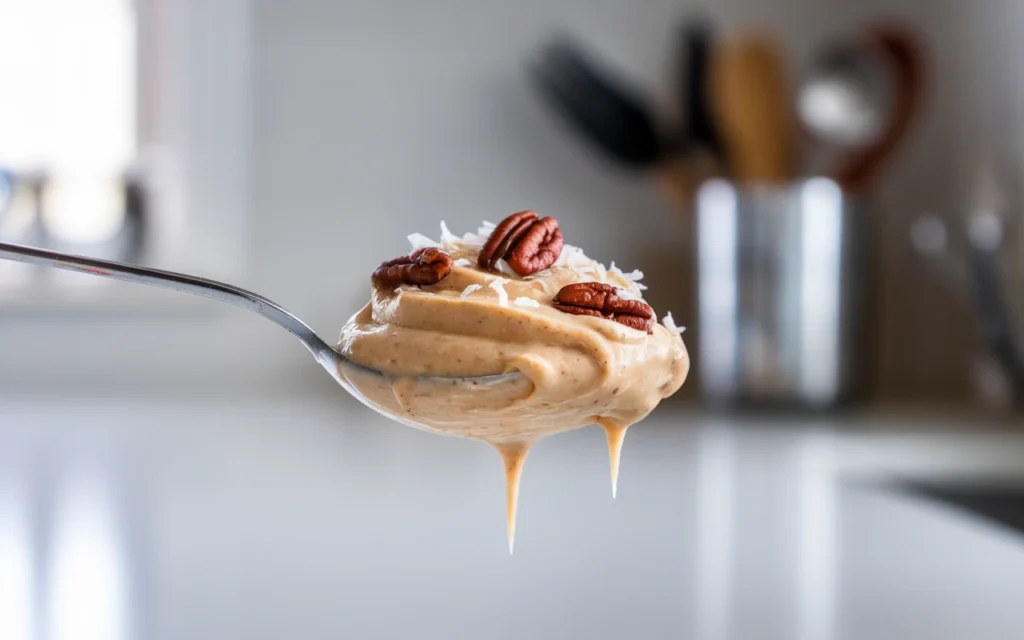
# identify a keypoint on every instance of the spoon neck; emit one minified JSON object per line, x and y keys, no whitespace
{"x":222,"y":292}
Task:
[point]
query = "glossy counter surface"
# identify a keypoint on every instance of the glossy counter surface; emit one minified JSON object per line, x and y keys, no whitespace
{"x":173,"y":519}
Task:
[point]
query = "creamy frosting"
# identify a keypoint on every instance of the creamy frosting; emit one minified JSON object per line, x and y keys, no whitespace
{"x":575,"y":369}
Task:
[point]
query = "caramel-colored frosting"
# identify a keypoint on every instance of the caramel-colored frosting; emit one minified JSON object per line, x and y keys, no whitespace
{"x":430,"y":341}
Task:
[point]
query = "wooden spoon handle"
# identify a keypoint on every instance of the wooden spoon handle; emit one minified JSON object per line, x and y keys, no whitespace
{"x":750,"y":94}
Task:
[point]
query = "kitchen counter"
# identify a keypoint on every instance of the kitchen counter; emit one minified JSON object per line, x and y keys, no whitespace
{"x":316,"y":519}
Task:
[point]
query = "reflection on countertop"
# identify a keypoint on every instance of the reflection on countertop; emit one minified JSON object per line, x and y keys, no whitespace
{"x":167,"y":518}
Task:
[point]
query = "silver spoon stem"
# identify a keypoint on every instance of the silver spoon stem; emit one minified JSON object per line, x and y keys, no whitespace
{"x":324,"y":354}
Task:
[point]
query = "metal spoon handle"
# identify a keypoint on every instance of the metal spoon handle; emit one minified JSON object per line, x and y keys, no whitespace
{"x":177,"y":282}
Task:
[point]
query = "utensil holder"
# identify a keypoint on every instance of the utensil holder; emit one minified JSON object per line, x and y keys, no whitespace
{"x":780,"y":294}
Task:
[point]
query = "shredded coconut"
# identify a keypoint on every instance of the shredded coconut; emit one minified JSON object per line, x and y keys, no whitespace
{"x":476,"y":241}
{"x":470,"y":289}
{"x":526,"y":302}
{"x":545,"y":286}
{"x":632,"y":279}
{"x":448,"y":239}
{"x":498,"y":284}
{"x":670,"y":324}
{"x":473,"y":241}
{"x":571,"y":257}
{"x":505,"y":268}
{"x":420,"y":241}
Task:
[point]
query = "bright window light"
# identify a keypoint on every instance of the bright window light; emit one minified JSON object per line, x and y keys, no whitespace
{"x":68,"y":69}
{"x":83,"y":211}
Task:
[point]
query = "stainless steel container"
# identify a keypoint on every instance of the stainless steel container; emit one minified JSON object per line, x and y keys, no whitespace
{"x":779,"y":294}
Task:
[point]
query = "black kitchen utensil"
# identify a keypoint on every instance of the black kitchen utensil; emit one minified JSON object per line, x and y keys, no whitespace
{"x":598,"y":106}
{"x":971,"y":264}
{"x":994,"y":318}
{"x":694,"y":44}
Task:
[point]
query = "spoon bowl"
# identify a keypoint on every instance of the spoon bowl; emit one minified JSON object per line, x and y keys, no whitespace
{"x":860,"y":100}
{"x":381,"y":393}
{"x":353,"y":377}
{"x":846,"y":99}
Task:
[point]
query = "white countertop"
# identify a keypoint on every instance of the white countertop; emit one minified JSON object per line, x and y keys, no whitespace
{"x":311,"y":519}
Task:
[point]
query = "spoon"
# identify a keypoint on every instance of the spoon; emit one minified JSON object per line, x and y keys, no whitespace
{"x":343,"y":370}
{"x":970,"y":262}
{"x":351,"y":376}
{"x":847,"y":97}
{"x":861,"y":99}
{"x":613,"y":115}
{"x":749,"y":94}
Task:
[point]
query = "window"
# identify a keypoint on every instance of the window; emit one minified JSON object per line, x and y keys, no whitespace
{"x":68,"y":126}
{"x":113,"y":140}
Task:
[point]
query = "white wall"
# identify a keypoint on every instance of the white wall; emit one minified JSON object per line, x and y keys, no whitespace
{"x":371,"y":119}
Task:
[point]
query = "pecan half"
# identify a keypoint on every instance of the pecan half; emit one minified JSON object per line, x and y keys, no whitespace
{"x":528,"y":244}
{"x":603,"y":301}
{"x":504,"y":235}
{"x":424,"y":266}
{"x":538,"y":249}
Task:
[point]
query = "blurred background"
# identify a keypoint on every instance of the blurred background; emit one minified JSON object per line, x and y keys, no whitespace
{"x":826,"y":193}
